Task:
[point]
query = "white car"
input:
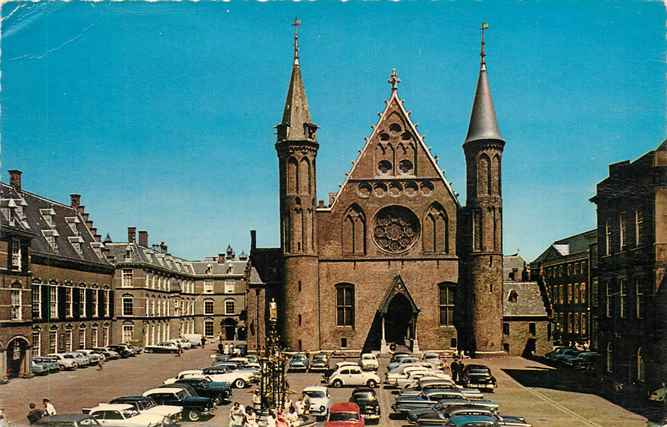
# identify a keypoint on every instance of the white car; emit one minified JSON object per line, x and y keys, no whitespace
{"x":319,"y":399}
{"x":185,"y":344}
{"x":122,"y":415}
{"x":353,"y":375}
{"x":94,"y":357}
{"x":341,"y":364}
{"x":413,"y":375}
{"x":238,"y":379}
{"x":403,"y":373}
{"x":195,"y":339}
{"x":66,"y":360}
{"x":658,"y":395}
{"x":369,"y":362}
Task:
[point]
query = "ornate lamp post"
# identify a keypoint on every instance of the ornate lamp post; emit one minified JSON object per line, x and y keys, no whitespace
{"x":273,"y":384}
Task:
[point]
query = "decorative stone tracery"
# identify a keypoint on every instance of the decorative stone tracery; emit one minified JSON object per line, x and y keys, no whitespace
{"x":396,"y":229}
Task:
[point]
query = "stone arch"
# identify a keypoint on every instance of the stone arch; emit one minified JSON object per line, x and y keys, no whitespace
{"x":354,"y":231}
{"x":484,"y":174}
{"x":384,"y":159}
{"x":496,"y":187}
{"x":304,"y":176}
{"x":292,"y":176}
{"x":435,"y":238}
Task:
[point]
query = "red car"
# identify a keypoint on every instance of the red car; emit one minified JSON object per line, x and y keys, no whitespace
{"x":346,"y":414}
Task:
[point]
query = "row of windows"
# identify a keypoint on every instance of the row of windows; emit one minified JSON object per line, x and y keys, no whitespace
{"x":157,"y":281}
{"x":76,"y":302}
{"x":617,"y":301}
{"x":53,"y":343}
{"x":571,"y":323}
{"x":637,"y":367}
{"x":618,"y":230}
{"x":570,"y":293}
{"x":166,"y":307}
{"x":532,"y":328}
{"x":564,"y":270}
{"x":345,"y":304}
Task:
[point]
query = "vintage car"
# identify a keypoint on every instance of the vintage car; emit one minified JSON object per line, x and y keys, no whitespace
{"x":658,"y":395}
{"x":369,"y":362}
{"x":123,"y":350}
{"x":193,"y":406}
{"x":107,"y":353}
{"x":237,"y":378}
{"x":433,"y":359}
{"x":163,"y":347}
{"x":39,"y":368}
{"x":353,"y":376}
{"x":298,"y":362}
{"x":448,"y":406}
{"x":320,"y":362}
{"x":148,"y":405}
{"x":82,"y":359}
{"x":319,"y":399}
{"x":68,"y":420}
{"x":472,"y":421}
{"x":94,"y":356}
{"x":478,"y":376}
{"x":50,"y":362}
{"x":439,"y":418}
{"x":124,"y":415}
{"x":403,"y":405}
{"x":345,"y":414}
{"x":220,"y":392}
{"x":368,"y":403}
{"x":65,"y":360}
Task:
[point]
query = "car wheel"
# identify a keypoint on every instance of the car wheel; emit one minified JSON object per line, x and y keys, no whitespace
{"x":371,"y":383}
{"x":194,"y":415}
{"x":75,"y":365}
{"x":337,"y":384}
{"x":239,"y":383}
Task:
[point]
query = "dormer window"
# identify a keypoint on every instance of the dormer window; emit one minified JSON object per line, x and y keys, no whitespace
{"x":513,"y":296}
{"x":50,"y":236}
{"x":72,"y":221}
{"x":47,"y":216}
{"x":97,"y":248}
{"x":76,"y":242}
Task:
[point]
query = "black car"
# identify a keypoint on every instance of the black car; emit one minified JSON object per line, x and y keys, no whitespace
{"x":220,"y":392}
{"x":122,"y":350}
{"x":193,"y":406}
{"x":68,"y":420}
{"x":140,"y":403}
{"x":478,"y":376}
{"x":368,"y":403}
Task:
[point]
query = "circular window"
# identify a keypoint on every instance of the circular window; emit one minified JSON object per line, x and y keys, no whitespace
{"x":379,"y":189}
{"x":384,"y":137}
{"x":405,"y":166}
{"x":364,"y":190}
{"x":411,"y":188}
{"x":384,"y":167}
{"x":395,"y":127}
{"x":396,"y":229}
{"x":426,"y":188}
{"x":406,"y":136}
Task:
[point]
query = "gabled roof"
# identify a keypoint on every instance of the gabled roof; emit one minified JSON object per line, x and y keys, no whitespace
{"x":267,"y":263}
{"x":397,"y":287}
{"x":572,"y":245}
{"x":394,"y":100}
{"x":529,"y":301}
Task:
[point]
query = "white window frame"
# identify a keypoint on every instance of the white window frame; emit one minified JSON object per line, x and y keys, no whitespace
{"x":227,"y":311}
{"x":621,"y":230}
{"x":123,"y":308}
{"x":16,"y":254}
{"x":127,"y":333}
{"x":212,"y":305}
{"x":607,"y":298}
{"x":36,"y":343}
{"x":82,"y":336}
{"x":95,"y":300}
{"x":639,"y":299}
{"x":69,"y":302}
{"x":607,"y":239}
{"x":107,"y":336}
{"x":68,"y":340}
{"x":53,"y":343}
{"x":107,"y":302}
{"x":126,"y":277}
{"x":16,"y":304}
{"x":82,"y":303}
{"x":639,"y":221}
{"x":207,"y":323}
{"x":208,"y":286}
{"x":36,"y":300}
{"x":622,"y":295}
{"x":94,"y":336}
{"x":53,"y":301}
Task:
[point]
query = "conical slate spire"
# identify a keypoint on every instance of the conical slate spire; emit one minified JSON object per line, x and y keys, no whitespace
{"x":483,"y":124}
{"x":296,"y":123}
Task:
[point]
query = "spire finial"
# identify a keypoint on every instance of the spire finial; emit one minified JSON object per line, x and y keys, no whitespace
{"x":394,"y":80}
{"x":482,"y":53}
{"x":296,"y":24}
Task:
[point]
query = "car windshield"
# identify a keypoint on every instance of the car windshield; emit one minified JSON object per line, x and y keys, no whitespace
{"x":364,"y":395}
{"x":343,"y":416}
{"x":368,"y":356}
{"x":315,"y":394}
{"x":320,"y":357}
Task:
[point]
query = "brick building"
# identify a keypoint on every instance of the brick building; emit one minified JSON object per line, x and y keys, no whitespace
{"x":382,"y":262}
{"x":525,"y":318}
{"x":563,"y":269}
{"x":57,"y":280}
{"x":632,"y":257}
{"x":160,"y":296}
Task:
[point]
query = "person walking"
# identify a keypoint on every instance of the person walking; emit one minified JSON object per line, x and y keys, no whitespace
{"x":203,"y":342}
{"x":455,"y":369}
{"x":236,"y":415}
{"x":99,"y":365}
{"x":34,"y":414}
{"x":49,"y":409}
{"x":250,"y":419}
{"x":3,"y":419}
{"x":256,"y":400}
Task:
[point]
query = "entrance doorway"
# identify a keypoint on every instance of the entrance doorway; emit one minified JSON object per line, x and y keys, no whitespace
{"x":398,"y":321}
{"x":16,"y":357}
{"x":229,"y":326}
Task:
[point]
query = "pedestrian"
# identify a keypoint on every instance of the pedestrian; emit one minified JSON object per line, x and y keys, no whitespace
{"x":256,"y":400}
{"x":221,"y":348}
{"x":236,"y":415}
{"x":292,"y":416}
{"x":203,"y":342}
{"x":250,"y":417}
{"x":99,"y":364}
{"x":178,"y":349}
{"x":455,"y":369}
{"x":34,"y":414}
{"x":49,"y":409}
{"x":3,"y":419}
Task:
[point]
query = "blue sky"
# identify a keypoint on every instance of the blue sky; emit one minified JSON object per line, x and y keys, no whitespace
{"x":161,"y":115}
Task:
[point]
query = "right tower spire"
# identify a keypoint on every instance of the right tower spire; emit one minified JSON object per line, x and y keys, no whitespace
{"x":483,"y":260}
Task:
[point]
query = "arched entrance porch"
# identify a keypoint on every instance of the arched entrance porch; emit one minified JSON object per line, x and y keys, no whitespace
{"x":17,"y":357}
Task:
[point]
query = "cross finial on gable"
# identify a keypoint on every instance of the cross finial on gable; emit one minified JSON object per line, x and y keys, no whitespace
{"x":394,"y":80}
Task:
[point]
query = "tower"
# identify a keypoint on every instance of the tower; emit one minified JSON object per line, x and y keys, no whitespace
{"x":483,"y":259}
{"x":297,"y":147}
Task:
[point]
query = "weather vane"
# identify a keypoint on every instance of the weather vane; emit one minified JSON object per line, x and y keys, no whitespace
{"x":482,"y":53}
{"x":296,"y":24}
{"x":393,"y":79}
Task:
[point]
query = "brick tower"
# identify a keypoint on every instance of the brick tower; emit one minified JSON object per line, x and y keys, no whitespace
{"x":483,"y":260}
{"x":297,"y":149}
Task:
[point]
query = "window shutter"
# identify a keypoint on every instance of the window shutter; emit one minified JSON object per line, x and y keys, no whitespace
{"x":100,"y":303}
{"x":111,"y":300}
{"x":61,"y":302}
{"x":76,"y":299}
{"x":89,"y":303}
{"x":46,"y":312}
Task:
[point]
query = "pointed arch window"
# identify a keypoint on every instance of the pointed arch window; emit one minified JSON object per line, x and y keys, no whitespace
{"x":304,"y":176}
{"x":436,"y":230}
{"x":354,"y":231}
{"x":292,"y":175}
{"x":484,"y":177}
{"x":495,"y":178}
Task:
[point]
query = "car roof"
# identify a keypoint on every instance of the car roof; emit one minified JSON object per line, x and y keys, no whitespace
{"x":315,"y":388}
{"x":344,"y":407}
{"x":111,"y":406}
{"x":137,"y":398}
{"x":163,"y":390}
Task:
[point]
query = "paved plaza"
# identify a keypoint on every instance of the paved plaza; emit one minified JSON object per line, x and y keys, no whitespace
{"x":526,"y":388}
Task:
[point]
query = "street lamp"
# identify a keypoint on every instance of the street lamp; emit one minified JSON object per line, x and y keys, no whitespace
{"x":273,"y":383}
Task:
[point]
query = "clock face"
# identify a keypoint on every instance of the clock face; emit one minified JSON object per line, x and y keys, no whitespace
{"x":396,"y":229}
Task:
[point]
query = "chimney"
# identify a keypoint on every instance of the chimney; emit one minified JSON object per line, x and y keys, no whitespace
{"x":163,"y":247}
{"x":320,"y":203}
{"x":98,"y":238}
{"x":131,"y":234}
{"x":221,"y":258}
{"x":93,"y":231}
{"x":75,"y":200}
{"x":253,"y":240}
{"x":143,"y":238}
{"x":81,"y":209}
{"x":15,"y":179}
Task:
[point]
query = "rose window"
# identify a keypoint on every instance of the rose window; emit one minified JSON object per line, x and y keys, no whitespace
{"x":396,"y":228}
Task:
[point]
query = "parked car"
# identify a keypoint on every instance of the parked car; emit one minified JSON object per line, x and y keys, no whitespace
{"x":38,"y":368}
{"x":82,"y":359}
{"x":402,"y":361}
{"x":353,"y":376}
{"x":434,"y":360}
{"x":124,"y":415}
{"x":319,"y":401}
{"x":66,"y":360}
{"x":148,"y":405}
{"x":298,"y":362}
{"x":406,"y":404}
{"x":320,"y":362}
{"x":568,"y":357}
{"x":368,"y":403}
{"x":586,"y":361}
{"x":220,"y":392}
{"x":238,"y":378}
{"x":472,"y":421}
{"x":121,"y":349}
{"x":92,"y":356}
{"x":185,"y":344}
{"x":107,"y":353}
{"x":135,"y":349}
{"x":448,"y":406}
{"x":51,"y":362}
{"x":478,"y":376}
{"x":195,"y":339}
{"x":193,"y":406}
{"x":658,"y":395}
{"x":163,"y":347}
{"x":68,"y":420}
{"x":345,"y":414}
{"x":369,"y":362}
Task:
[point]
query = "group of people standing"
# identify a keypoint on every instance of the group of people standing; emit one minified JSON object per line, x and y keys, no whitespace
{"x":35,"y":413}
{"x":240,"y":416}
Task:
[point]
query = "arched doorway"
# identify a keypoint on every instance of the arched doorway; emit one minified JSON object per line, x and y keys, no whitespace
{"x":229,"y":326}
{"x":17,"y":357}
{"x":398,"y":321}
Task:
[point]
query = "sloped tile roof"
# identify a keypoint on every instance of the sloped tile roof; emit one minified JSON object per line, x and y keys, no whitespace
{"x":529,"y":300}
